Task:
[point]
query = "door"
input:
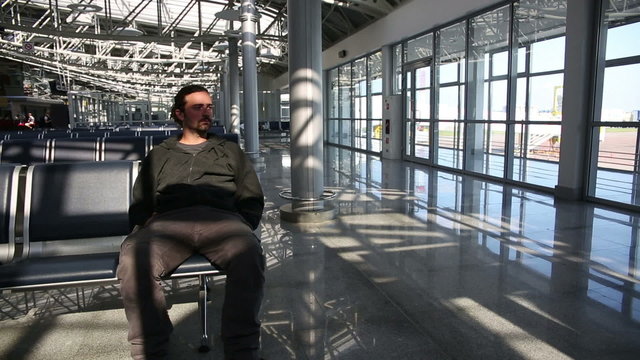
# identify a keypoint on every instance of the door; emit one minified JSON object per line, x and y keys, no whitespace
{"x":418,"y":110}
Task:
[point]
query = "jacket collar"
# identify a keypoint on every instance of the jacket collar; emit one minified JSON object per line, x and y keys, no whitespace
{"x":212,"y":140}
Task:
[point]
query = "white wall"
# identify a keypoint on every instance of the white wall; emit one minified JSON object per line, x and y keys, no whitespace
{"x":406,"y":21}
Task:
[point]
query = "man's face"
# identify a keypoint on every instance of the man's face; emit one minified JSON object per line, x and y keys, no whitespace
{"x":198,"y":111}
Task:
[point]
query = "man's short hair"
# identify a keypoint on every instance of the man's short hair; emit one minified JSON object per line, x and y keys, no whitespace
{"x":179,"y":100}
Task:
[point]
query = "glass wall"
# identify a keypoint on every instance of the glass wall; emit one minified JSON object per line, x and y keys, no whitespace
{"x":374,"y":82}
{"x":359,"y":90}
{"x":333,"y":107}
{"x":615,"y":140}
{"x":484,"y":95}
{"x":488,"y":81}
{"x":450,"y":73}
{"x":345,"y":116}
{"x":355,"y":104}
{"x":539,"y":63}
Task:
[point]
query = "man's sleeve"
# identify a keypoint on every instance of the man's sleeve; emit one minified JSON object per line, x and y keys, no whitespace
{"x":249,"y":195}
{"x":143,"y":191}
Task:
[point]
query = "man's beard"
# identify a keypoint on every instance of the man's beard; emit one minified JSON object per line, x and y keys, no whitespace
{"x":204,"y":123}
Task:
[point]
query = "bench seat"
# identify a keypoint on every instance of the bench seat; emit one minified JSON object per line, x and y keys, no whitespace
{"x":74,"y":218}
{"x":69,"y":270}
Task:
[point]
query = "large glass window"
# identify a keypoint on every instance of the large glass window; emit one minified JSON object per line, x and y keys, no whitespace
{"x":333,"y":131}
{"x":359,"y":99}
{"x":355,"y":104}
{"x":374,"y":69}
{"x":487,"y":92}
{"x":345,"y":105}
{"x":397,"y":69}
{"x":615,"y":140}
{"x":419,"y":97}
{"x":450,"y":85}
{"x":420,"y":48}
{"x":483,"y":94}
{"x":540,"y":63}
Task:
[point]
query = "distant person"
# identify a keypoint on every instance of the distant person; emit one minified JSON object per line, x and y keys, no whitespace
{"x":196,"y":193}
{"x":46,"y":120}
{"x":30,"y":121}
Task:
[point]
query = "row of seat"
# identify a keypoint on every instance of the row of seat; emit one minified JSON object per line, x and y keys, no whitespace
{"x":34,"y":151}
{"x":62,"y":134}
{"x":62,"y":224}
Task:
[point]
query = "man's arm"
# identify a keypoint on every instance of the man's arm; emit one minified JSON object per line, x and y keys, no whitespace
{"x":141,"y":207}
{"x":249,"y":195}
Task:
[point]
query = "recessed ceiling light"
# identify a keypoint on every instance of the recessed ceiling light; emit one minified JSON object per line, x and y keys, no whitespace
{"x":85,"y":8}
{"x":220,"y":46}
{"x":80,"y":19}
{"x":42,"y":39}
{"x":127,"y":31}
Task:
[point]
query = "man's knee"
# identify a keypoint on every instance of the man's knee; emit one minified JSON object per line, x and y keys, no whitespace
{"x":247,"y":266}
{"x":250,"y":251}
{"x":136,"y":260}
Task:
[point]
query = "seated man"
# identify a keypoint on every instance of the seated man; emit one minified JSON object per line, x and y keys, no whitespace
{"x":196,"y":193}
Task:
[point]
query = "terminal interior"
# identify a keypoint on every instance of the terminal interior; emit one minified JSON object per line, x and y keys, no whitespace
{"x":477,"y":194}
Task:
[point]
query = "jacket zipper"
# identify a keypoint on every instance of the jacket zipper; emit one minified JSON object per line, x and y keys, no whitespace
{"x":193,"y":159}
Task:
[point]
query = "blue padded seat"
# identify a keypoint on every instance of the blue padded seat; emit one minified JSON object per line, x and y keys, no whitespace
{"x":147,"y":132}
{"x":89,"y":134}
{"x":73,"y":208}
{"x":76,"y":149}
{"x":230,"y":137}
{"x":82,"y":269}
{"x":195,"y":265}
{"x":155,"y":140}
{"x":24,"y":151}
{"x":57,"y":135}
{"x":122,"y":132}
{"x":125,"y":148}
{"x":9,"y":181}
{"x":75,"y":218}
{"x":58,"y":271}
{"x":27,"y":134}
{"x":217,"y":129}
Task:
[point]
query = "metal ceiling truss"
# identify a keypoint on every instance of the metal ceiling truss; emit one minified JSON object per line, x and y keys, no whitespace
{"x":137,"y":46}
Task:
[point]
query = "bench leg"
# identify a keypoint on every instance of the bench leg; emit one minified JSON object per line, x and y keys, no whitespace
{"x":202,"y":305}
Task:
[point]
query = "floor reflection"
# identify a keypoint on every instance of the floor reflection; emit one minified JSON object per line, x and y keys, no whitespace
{"x":418,"y":264}
{"x":447,"y":265}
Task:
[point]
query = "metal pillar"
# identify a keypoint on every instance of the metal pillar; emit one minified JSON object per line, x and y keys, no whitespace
{"x":249,"y":18}
{"x":234,"y":92}
{"x":223,"y":95}
{"x":305,"y":84}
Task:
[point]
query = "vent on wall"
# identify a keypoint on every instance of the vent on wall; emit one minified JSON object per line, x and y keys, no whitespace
{"x":342,"y":53}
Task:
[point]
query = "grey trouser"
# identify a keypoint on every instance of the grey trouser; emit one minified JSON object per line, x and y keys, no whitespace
{"x":157,"y":249}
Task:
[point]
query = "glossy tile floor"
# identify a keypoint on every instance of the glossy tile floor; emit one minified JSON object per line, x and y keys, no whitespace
{"x":418,"y":264}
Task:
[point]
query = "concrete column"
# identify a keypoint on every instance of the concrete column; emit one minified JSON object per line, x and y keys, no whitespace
{"x":305,"y":84}
{"x":249,"y":18}
{"x":234,"y":91}
{"x":305,"y":91}
{"x":579,"y":60}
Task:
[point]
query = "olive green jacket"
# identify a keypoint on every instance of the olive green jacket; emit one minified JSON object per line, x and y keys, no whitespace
{"x":220,"y":176}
